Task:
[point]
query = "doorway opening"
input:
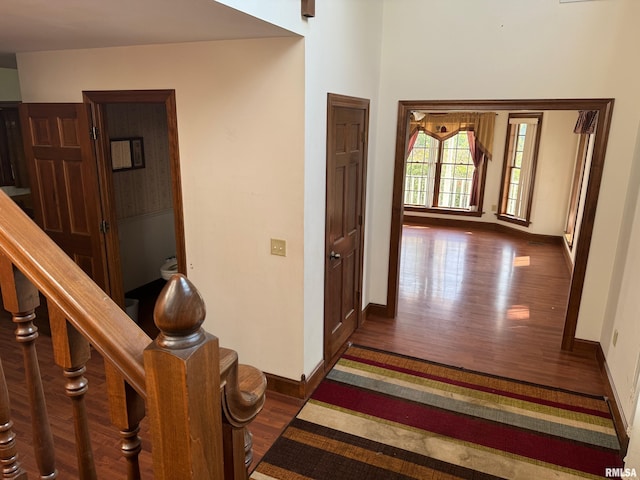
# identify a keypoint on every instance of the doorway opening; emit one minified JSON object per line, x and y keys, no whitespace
{"x":139,"y":175}
{"x":603,"y":107}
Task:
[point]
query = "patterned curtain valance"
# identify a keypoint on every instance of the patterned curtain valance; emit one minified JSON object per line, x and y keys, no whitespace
{"x":446,"y":125}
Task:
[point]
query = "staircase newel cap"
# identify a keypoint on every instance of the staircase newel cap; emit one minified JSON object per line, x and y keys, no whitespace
{"x":179,"y":313}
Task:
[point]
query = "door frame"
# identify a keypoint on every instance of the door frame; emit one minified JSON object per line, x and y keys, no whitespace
{"x":604,"y":106}
{"x":97,"y":101}
{"x":336,"y":100}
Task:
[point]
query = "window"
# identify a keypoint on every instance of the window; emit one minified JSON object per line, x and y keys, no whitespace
{"x":519,"y":168}
{"x":439,"y":173}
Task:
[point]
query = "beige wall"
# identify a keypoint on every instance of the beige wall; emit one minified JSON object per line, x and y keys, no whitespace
{"x":241,"y":140}
{"x":9,"y":85}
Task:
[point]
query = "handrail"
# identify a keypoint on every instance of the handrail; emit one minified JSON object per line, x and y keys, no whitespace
{"x":87,"y":307}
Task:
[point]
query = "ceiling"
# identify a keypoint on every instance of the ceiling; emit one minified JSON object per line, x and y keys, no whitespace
{"x":36,"y":25}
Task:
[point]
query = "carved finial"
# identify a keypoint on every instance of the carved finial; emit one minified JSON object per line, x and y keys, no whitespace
{"x":179,"y":314}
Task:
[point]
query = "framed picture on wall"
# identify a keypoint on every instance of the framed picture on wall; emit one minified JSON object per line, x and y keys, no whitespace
{"x":127,"y":153}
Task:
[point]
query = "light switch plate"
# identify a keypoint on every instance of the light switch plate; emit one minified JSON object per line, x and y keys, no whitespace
{"x":278,"y":247}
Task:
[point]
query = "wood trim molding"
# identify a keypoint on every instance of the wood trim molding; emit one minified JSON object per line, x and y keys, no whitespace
{"x":496,"y":227}
{"x":302,"y":388}
{"x":308,"y":8}
{"x":604,"y":106}
{"x":374,"y":310}
{"x":595,"y":349}
{"x":567,"y":256}
{"x":97,"y":100}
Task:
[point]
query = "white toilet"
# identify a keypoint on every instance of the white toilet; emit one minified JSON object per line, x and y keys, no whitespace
{"x":168,"y":268}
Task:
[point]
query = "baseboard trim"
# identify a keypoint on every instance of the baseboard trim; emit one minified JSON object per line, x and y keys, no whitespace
{"x":495,"y":227}
{"x":374,"y":310}
{"x":590,"y":347}
{"x":567,"y":257}
{"x":302,"y":388}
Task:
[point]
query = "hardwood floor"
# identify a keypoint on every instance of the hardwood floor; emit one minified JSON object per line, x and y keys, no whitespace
{"x":485,"y":301}
{"x":477,"y":299}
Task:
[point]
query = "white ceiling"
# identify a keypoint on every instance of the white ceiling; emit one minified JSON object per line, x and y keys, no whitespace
{"x":35,"y":25}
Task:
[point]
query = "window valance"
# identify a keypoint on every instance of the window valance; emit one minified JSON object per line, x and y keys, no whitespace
{"x":446,"y":125}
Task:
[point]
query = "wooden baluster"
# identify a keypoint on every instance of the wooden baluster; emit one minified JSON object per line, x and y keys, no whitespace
{"x":237,"y":451}
{"x":8,"y":452}
{"x":243,"y":396}
{"x":127,"y":410}
{"x":21,"y":298}
{"x":71,"y":352}
{"x":182,"y":368}
{"x":248,"y":448}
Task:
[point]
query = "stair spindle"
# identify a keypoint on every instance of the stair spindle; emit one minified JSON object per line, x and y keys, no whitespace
{"x":71,"y":352}
{"x":127,"y":411}
{"x":21,"y":298}
{"x":8,"y":451}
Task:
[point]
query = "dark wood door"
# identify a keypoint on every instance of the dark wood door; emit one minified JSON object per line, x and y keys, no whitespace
{"x":346,"y":170}
{"x":64,"y":181}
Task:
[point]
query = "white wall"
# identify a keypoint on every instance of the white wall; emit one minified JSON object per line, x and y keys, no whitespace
{"x":520,"y":50}
{"x":240,"y":108}
{"x":9,"y":85}
{"x":145,"y":242}
{"x":343,"y":57}
{"x":283,"y":13}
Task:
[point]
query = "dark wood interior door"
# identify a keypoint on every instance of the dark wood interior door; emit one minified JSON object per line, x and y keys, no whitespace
{"x":64,"y":181}
{"x":346,"y":160}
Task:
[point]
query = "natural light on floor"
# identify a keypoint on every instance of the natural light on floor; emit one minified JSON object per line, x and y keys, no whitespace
{"x":518,"y":312}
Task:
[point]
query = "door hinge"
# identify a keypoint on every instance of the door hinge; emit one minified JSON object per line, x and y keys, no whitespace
{"x":360,"y":220}
{"x":104,"y":226}
{"x":93,"y":133}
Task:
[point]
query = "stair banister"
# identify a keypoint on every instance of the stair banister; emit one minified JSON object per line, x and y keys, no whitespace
{"x":79,"y":298}
{"x":213,"y":441}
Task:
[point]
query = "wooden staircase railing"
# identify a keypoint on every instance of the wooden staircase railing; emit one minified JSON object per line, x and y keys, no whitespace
{"x":197,"y":397}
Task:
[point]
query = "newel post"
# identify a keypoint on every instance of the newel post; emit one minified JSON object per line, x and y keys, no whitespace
{"x":182,"y":368}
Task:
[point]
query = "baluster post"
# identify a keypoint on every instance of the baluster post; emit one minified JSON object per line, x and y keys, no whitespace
{"x":71,"y":352}
{"x":21,"y":298}
{"x":238,"y":451}
{"x":243,"y":396}
{"x":8,"y":451}
{"x":127,"y":411}
{"x":182,"y":368}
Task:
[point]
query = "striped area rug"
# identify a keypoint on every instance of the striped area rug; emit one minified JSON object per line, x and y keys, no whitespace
{"x":384,"y":416}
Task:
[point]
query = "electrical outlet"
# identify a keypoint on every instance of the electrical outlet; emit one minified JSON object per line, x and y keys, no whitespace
{"x":278,"y":247}
{"x":494,"y":208}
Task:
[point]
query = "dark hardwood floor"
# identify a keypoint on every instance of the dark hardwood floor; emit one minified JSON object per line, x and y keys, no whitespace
{"x":485,"y":301}
{"x":477,"y":299}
